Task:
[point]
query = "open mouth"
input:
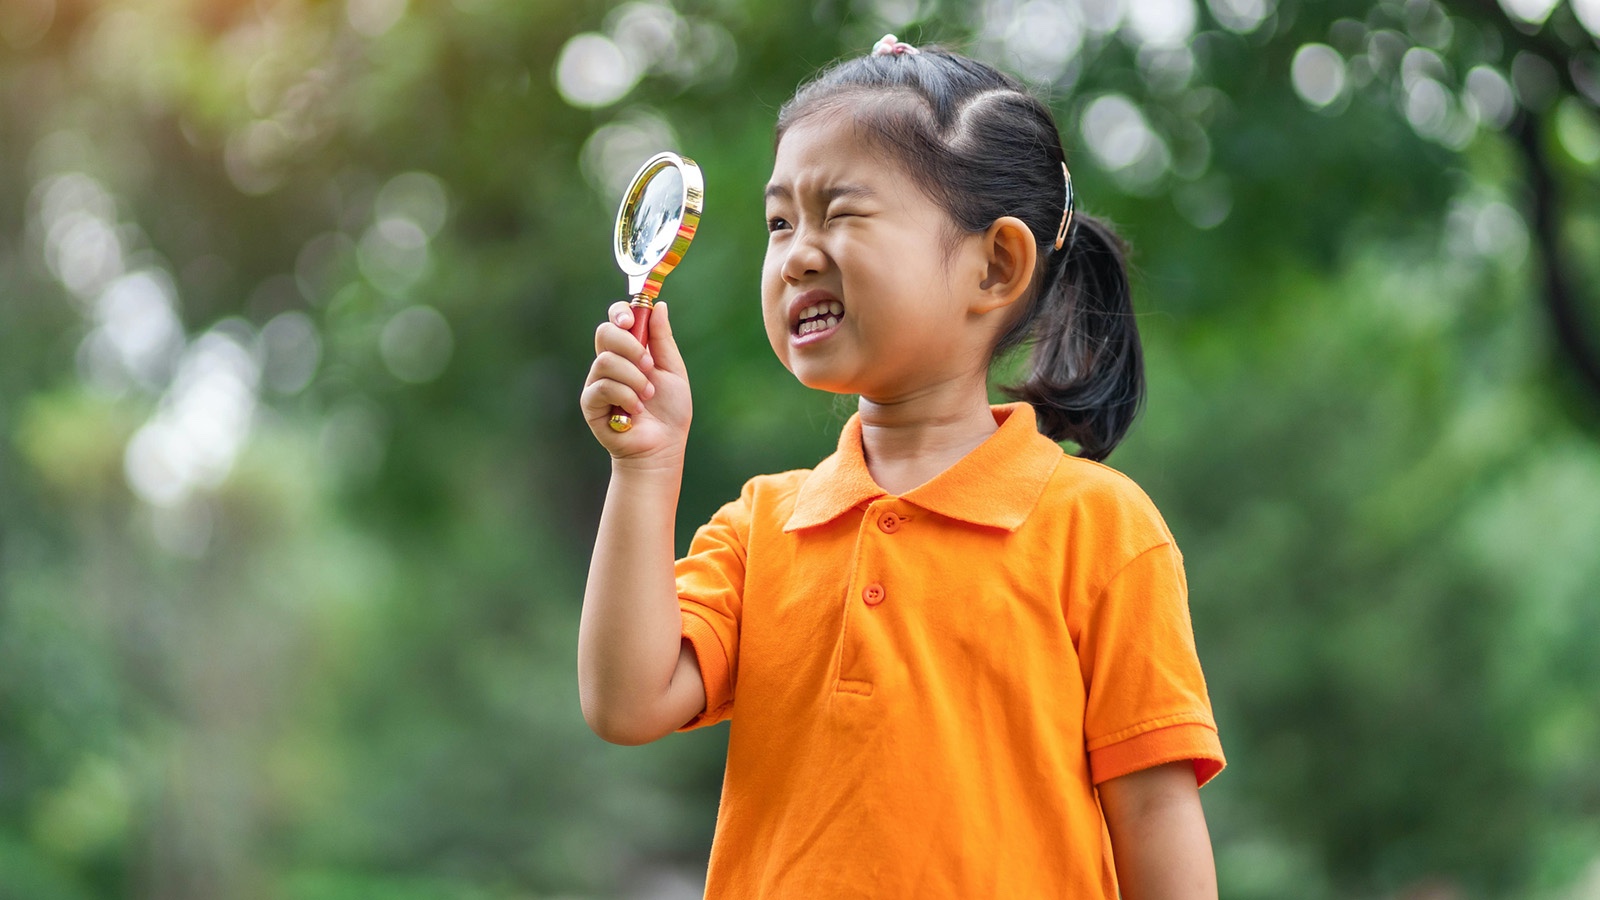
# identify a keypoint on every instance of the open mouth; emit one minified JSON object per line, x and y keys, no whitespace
{"x":819,"y":317}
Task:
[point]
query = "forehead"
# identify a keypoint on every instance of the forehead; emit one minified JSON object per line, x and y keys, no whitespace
{"x":830,"y":147}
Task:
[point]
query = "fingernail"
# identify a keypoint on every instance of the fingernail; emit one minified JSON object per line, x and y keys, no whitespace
{"x":650,"y":389}
{"x":648,"y":359}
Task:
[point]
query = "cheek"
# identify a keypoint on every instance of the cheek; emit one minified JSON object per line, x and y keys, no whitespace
{"x":773,"y":316}
{"x":770,"y":270}
{"x":771,"y":290}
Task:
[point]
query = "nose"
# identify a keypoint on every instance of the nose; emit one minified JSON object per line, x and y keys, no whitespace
{"x":805,"y":258}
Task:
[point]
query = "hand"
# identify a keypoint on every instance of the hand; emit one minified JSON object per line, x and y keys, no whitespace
{"x":650,"y":385}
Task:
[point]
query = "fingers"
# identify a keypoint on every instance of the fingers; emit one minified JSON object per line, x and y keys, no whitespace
{"x":618,"y":376}
{"x":614,"y":338}
{"x":662,"y":345}
{"x":600,"y":396}
{"x":609,"y":366}
{"x":620,"y":313}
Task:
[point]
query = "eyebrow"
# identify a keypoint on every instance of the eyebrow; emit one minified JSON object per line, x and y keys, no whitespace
{"x":828,"y":193}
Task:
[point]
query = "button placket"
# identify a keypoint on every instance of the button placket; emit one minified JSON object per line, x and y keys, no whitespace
{"x":855,"y":664}
{"x":888,"y":522}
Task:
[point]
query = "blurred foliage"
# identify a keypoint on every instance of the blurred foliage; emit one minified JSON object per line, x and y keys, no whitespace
{"x":296,"y":298}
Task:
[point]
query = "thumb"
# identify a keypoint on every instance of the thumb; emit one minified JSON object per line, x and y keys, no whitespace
{"x":662,"y":347}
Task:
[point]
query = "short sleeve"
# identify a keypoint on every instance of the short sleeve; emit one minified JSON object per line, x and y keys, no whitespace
{"x":1147,"y":702}
{"x":710,"y":599}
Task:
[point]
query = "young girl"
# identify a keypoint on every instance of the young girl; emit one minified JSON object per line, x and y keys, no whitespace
{"x":958,"y":661}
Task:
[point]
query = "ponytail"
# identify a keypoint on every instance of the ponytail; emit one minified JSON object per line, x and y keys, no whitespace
{"x":1086,"y":371}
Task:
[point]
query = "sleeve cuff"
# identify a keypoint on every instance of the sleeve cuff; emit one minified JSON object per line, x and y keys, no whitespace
{"x":1194,"y":741}
{"x":714,"y":673}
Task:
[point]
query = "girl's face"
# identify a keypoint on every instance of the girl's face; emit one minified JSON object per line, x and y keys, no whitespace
{"x":859,"y":292}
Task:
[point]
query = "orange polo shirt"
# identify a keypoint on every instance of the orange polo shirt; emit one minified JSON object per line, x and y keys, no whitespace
{"x":924,"y":689}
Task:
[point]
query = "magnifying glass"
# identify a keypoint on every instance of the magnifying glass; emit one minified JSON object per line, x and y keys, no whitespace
{"x":656,"y":222}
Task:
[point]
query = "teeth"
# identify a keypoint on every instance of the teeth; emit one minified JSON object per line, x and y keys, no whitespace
{"x":820,"y":316}
{"x":811,"y":325}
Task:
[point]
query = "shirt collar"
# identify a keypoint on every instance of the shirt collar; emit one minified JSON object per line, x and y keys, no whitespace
{"x":998,"y":484}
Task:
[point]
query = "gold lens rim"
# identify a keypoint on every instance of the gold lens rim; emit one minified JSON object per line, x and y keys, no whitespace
{"x":693,"y":204}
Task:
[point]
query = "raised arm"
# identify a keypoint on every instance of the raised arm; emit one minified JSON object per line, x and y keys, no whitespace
{"x":1158,"y":834}
{"x":637,"y":679}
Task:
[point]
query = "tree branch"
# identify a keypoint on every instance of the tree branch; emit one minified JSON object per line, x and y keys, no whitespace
{"x":1572,"y":336}
{"x":1573,"y":339}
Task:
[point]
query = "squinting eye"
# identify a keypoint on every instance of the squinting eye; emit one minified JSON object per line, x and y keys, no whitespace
{"x":775,"y":224}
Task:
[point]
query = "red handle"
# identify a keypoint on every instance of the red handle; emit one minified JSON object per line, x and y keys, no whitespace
{"x":641,"y":323}
{"x":620,"y":420}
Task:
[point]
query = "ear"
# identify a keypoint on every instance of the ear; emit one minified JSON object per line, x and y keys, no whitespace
{"x":1009,"y":255}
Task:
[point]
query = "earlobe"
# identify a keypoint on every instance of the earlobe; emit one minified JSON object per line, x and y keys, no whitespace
{"x":1010,"y":255}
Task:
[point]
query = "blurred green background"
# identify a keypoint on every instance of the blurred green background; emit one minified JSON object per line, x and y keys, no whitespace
{"x":297,"y":297}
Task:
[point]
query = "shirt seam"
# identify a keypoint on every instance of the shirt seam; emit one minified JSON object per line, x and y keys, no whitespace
{"x":1149,"y":725}
{"x":1100,"y":595}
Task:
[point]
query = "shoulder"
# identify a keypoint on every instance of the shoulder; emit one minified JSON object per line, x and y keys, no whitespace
{"x":1108,"y":528}
{"x":775,"y":488}
{"x":1087,"y":481}
{"x":1094,"y":500}
{"x":763,"y":499}
{"x":766,"y":497}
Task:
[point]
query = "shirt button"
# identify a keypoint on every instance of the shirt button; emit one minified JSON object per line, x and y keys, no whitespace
{"x":889,"y":523}
{"x":873,"y":594}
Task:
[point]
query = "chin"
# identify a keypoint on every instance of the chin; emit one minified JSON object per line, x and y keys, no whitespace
{"x":820,"y":382}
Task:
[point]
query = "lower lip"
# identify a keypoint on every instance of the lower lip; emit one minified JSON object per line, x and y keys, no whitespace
{"x":811,"y":337}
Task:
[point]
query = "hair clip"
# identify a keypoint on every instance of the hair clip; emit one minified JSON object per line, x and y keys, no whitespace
{"x":889,"y":45}
{"x":1066,"y":214}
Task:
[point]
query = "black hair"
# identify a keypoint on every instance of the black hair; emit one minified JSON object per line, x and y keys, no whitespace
{"x":982,"y":147}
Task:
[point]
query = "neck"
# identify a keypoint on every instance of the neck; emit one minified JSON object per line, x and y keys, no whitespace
{"x":908,"y":440}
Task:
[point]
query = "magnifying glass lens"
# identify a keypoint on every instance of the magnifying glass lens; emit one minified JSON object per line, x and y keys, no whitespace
{"x":655,"y":223}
